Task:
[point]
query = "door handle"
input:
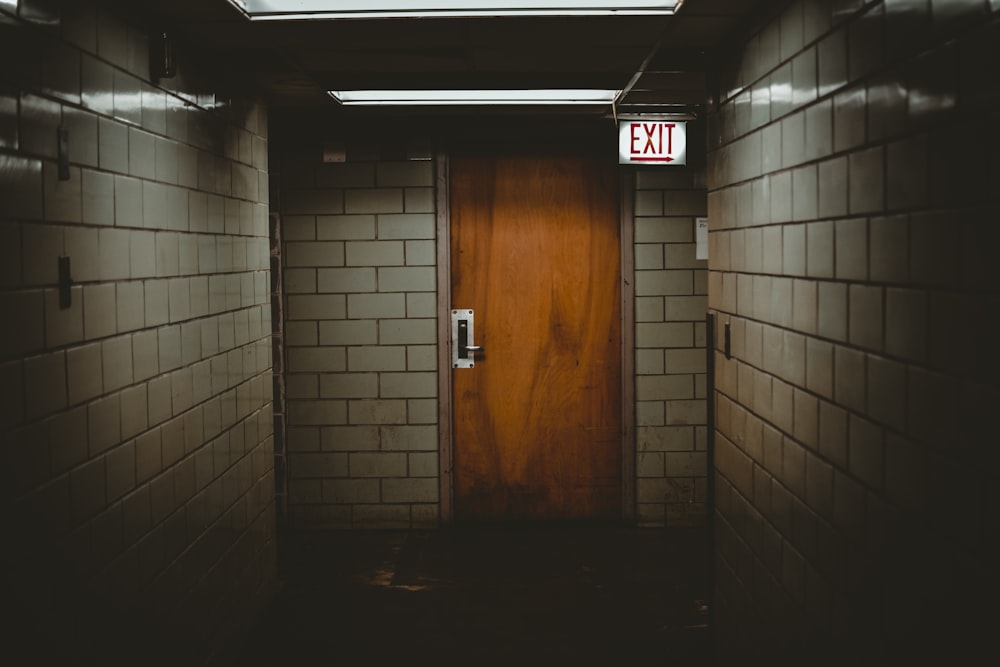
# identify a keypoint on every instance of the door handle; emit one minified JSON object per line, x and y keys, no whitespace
{"x":462,"y":330}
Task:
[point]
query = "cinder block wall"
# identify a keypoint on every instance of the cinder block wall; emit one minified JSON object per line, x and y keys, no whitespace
{"x":852,"y":201}
{"x":361,"y":339}
{"x":137,"y":457}
{"x":670,"y":306}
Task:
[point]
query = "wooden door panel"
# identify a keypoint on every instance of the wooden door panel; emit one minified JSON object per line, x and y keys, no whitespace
{"x":536,"y":255}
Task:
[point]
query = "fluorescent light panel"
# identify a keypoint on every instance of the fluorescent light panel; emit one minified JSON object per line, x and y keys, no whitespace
{"x":283,"y":10}
{"x":530,"y":97}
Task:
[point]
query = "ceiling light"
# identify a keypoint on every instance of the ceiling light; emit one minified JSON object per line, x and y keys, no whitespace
{"x":474,"y":97}
{"x":263,"y":10}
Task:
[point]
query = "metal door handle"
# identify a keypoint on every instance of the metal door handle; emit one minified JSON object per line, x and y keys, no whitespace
{"x":462,"y":330}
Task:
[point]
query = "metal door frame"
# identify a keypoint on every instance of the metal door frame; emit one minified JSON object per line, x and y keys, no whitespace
{"x":446,"y":458}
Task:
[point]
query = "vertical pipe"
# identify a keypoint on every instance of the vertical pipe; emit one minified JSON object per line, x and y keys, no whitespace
{"x":445,"y":450}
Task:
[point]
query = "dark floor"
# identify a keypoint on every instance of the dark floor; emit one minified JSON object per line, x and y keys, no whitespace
{"x":542,"y":595}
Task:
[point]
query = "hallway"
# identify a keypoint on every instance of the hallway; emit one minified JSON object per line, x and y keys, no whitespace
{"x":573,"y":594}
{"x":235,"y":302}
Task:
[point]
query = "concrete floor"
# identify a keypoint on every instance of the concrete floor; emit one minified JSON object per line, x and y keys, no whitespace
{"x":536,"y":595}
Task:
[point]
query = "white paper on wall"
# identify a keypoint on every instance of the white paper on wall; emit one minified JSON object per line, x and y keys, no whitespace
{"x":701,"y":238}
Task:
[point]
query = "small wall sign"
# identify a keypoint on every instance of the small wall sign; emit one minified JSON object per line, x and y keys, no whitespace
{"x":652,"y":142}
{"x":701,"y":238}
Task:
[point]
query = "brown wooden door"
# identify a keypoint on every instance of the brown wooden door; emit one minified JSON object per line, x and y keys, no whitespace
{"x":535,"y":252}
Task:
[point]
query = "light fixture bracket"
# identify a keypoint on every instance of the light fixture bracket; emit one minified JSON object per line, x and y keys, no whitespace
{"x":298,"y":10}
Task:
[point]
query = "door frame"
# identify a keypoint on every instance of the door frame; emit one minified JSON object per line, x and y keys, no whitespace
{"x":446,"y":458}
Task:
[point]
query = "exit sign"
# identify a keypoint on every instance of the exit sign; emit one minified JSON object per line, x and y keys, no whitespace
{"x":653,"y":142}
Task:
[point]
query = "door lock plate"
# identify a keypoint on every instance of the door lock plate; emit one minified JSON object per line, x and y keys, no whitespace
{"x":463,"y":350}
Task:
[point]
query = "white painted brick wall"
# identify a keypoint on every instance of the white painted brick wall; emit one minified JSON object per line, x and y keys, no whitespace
{"x":362,"y":341}
{"x":670,"y":307}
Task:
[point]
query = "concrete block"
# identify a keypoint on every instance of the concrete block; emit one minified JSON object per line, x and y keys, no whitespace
{"x":664,"y":387}
{"x":649,"y":413}
{"x":685,"y":361}
{"x":376,"y":358}
{"x":648,"y":203}
{"x":685,"y":464}
{"x":349,"y":385}
{"x":422,"y":411}
{"x":685,"y":412}
{"x":318,"y":307}
{"x":321,"y":202}
{"x":649,"y":256}
{"x":423,"y":464}
{"x":669,"y":282}
{"x":649,"y":361}
{"x":374,"y":253}
{"x":376,"y":306}
{"x":377,"y":464}
{"x":409,"y":438}
{"x":345,"y":227}
{"x":649,"y":464}
{"x":665,"y":439}
{"x":408,"y":385}
{"x":314,"y":253}
{"x":411,"y":173}
{"x":297,"y":334}
{"x":684,"y":308}
{"x":651,"y":309}
{"x":408,"y":279}
{"x":407,"y":226}
{"x":664,"y":335}
{"x":305,"y":491}
{"x":413,"y":490}
{"x":419,"y":200}
{"x":372,"y":200}
{"x":421,"y":358}
{"x":421,"y":253}
{"x":358,"y":279}
{"x":303,"y":439}
{"x":348,"y":332}
{"x":350,"y":491}
{"x":318,"y":413}
{"x":350,"y":438}
{"x":300,"y":281}
{"x":409,"y":331}
{"x":298,"y":228}
{"x":316,"y":465}
{"x":421,"y":304}
{"x":377,"y":411}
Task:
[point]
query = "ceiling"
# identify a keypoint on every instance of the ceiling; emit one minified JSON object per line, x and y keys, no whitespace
{"x":660,"y":62}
